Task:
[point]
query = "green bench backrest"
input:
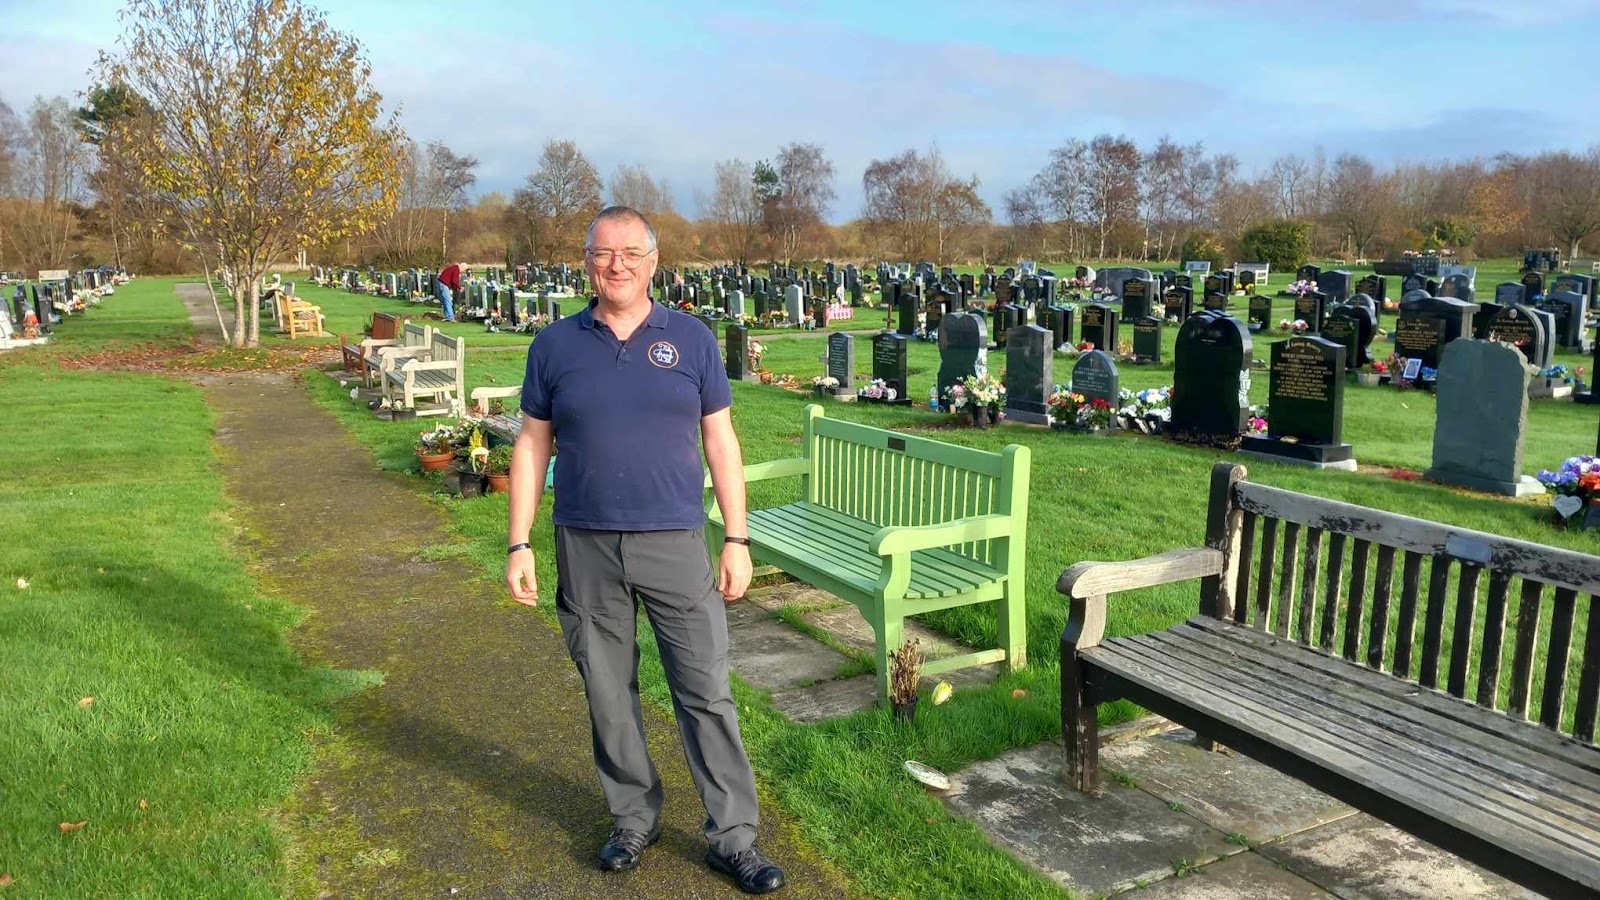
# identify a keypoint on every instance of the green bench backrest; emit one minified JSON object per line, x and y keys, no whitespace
{"x":888,"y":478}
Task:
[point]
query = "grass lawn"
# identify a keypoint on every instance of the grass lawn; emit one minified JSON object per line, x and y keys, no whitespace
{"x":1092,"y":498}
{"x":200,"y":715}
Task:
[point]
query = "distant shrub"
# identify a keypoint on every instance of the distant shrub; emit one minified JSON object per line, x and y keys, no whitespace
{"x":1282,"y":243}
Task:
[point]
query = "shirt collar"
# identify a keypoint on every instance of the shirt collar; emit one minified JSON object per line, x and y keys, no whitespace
{"x":656,"y":319}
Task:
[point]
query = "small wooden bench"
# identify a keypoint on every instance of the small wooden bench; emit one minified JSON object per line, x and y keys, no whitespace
{"x":298,"y":318}
{"x":899,"y":525}
{"x":383,"y":332}
{"x":439,"y":373}
{"x":502,"y":426}
{"x":1296,"y":662}
{"x":413,"y":344}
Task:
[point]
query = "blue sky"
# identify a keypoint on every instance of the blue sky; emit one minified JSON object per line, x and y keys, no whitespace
{"x":997,"y":84}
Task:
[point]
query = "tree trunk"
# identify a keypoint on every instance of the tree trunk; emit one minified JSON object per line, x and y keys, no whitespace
{"x":1572,"y":249}
{"x":240,"y":300}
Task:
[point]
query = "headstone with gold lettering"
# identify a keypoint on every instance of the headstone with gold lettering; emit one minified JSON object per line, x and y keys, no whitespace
{"x":1305,"y":406}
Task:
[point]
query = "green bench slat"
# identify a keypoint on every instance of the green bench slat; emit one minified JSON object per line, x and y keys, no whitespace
{"x":938,"y":565}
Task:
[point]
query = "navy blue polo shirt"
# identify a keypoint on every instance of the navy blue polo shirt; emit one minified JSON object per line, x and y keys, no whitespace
{"x":626,"y":417}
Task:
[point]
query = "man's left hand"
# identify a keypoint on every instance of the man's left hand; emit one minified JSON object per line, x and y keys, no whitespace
{"x":733,"y":578}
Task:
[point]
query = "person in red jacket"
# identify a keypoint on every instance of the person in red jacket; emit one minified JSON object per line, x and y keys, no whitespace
{"x":447,"y":285}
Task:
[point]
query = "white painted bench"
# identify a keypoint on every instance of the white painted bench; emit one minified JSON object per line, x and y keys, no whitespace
{"x":438,"y":373}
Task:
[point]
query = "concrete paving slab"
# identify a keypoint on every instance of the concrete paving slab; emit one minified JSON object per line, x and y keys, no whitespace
{"x":1110,"y":842}
{"x":1247,"y":876}
{"x":827,"y":699}
{"x":1229,"y":792}
{"x":847,"y":624}
{"x":771,"y":655}
{"x":1361,"y":858}
{"x":744,"y":612}
{"x":791,"y":593}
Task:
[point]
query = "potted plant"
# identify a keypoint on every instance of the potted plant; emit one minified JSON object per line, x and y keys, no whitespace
{"x":1575,"y":486}
{"x":978,"y":398}
{"x":1368,"y":375}
{"x":905,"y":673}
{"x":498,"y":468}
{"x":1074,"y":411}
{"x":753,"y":354}
{"x":436,"y":448}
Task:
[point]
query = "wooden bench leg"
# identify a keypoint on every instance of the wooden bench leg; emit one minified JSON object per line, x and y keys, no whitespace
{"x":1080,"y":724}
{"x":891,"y":633}
{"x":1014,"y":625}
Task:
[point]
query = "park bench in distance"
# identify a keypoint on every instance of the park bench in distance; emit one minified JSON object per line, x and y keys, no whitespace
{"x":359,"y":355}
{"x":413,"y":344}
{"x":899,"y":525}
{"x":438,"y":373}
{"x":297,"y":317}
{"x":1304,"y":680}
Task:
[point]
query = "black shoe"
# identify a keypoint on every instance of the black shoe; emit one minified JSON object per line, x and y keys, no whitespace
{"x":624,"y":847}
{"x":752,"y":870}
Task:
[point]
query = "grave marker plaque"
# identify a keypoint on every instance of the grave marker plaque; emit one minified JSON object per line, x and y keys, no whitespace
{"x":1147,"y":340}
{"x":1306,"y":400}
{"x":889,"y":364}
{"x":1029,"y":374}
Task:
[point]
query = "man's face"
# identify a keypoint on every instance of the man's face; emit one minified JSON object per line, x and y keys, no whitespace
{"x":615,"y":282}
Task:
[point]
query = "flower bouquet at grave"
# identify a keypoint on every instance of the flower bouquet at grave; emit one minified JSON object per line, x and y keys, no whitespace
{"x":753,"y":355}
{"x":1558,"y":372}
{"x":749,"y":321}
{"x":876,"y":389}
{"x":708,"y":311}
{"x":1575,"y":485}
{"x":1299,"y":326}
{"x":1256,"y":425}
{"x":686,"y":306}
{"x":1080,"y":284}
{"x":1145,"y":411}
{"x":1579,"y":382}
{"x":977,"y":396}
{"x":1302,"y":288}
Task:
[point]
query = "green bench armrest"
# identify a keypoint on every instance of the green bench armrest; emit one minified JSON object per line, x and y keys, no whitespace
{"x":778,"y":468}
{"x":904,"y":539}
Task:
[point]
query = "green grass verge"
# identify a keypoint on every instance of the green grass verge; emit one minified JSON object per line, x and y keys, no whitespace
{"x":201,"y":717}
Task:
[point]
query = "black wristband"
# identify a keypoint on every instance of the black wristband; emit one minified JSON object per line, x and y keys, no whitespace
{"x":515,"y":547}
{"x":736,"y":540}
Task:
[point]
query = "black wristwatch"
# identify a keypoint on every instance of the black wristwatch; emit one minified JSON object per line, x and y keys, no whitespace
{"x":736,"y":540}
{"x":515,"y":547}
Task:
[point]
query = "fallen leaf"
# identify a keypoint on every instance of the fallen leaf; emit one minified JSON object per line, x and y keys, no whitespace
{"x":86,"y":702}
{"x":5,"y":879}
{"x":22,"y":584}
{"x":143,"y":803}
{"x":1018,"y":694}
{"x":69,"y":827}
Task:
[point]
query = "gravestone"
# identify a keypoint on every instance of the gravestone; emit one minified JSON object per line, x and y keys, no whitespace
{"x":738,"y":349}
{"x":1061,"y":325}
{"x":1214,"y":284}
{"x":1374,"y":286}
{"x":1178,"y":303}
{"x":1260,"y":315}
{"x":1030,"y":291}
{"x":1412,"y":283}
{"x":1578,"y":284}
{"x":963,"y":339}
{"x":1311,"y":308}
{"x":1457,"y":287}
{"x":1210,"y":379}
{"x":1216,"y":301}
{"x":889,"y":364}
{"x":1534,"y":282}
{"x":1334,"y":284}
{"x":1420,"y":337}
{"x":1522,"y":327}
{"x":1353,"y":326}
{"x":906,"y":305}
{"x":1137,"y":296}
{"x":1416,"y":336}
{"x":1569,"y":308}
{"x":736,"y":304}
{"x":1029,"y":374}
{"x":1099,"y":327}
{"x":1307,"y":272}
{"x":1306,"y":403}
{"x":1147,"y":340}
{"x":1247,"y":281}
{"x":1006,"y":317}
{"x":1002,"y":291}
{"x":933,"y":313}
{"x":1481,"y":419}
{"x":1094,"y":376}
{"x":819,"y":315}
{"x":842,"y":363}
{"x":794,"y":304}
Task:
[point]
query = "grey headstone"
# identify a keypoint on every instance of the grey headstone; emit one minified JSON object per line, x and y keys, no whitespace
{"x":963,"y":342}
{"x":842,"y":360}
{"x":1029,"y":374}
{"x":1481,"y":419}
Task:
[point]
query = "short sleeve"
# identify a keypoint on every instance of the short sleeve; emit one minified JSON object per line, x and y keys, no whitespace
{"x":715,"y":394}
{"x":535,"y":392}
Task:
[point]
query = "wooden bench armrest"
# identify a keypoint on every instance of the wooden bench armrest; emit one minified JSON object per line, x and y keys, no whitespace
{"x":892,"y":540}
{"x":1096,"y":579}
{"x":777,"y":468}
{"x":1088,"y":583}
{"x":370,"y":344}
{"x":424,"y":365}
{"x":481,"y":395}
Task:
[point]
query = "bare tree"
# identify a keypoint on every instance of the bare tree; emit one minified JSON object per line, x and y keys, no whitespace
{"x":914,"y":198}
{"x":1565,"y":195}
{"x":557,"y":201}
{"x":1359,"y":200}
{"x":263,"y":135}
{"x":433,"y":183}
{"x":632,"y":186}
{"x":1290,"y":181}
{"x":49,"y":177}
{"x":1162,"y":178}
{"x":735,"y":209}
{"x":1112,"y":169}
{"x":795,"y":193}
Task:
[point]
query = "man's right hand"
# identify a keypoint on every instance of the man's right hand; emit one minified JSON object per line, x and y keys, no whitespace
{"x":521,"y":578}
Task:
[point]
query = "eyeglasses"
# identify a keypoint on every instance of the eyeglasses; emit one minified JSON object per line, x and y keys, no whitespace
{"x":631,"y":259}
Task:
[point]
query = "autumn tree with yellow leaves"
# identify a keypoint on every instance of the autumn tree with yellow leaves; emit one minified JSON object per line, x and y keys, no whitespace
{"x":260,"y":132}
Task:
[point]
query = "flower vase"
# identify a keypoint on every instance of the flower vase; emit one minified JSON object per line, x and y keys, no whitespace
{"x":1591,"y":516}
{"x":1368,"y":379}
{"x":980,"y":416}
{"x":907,"y":711}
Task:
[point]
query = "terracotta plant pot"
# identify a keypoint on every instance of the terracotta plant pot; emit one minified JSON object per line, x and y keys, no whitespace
{"x":435,"y":462}
{"x":499,"y":484}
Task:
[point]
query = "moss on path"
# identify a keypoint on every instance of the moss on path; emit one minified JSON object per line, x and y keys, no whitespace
{"x":469,"y":767}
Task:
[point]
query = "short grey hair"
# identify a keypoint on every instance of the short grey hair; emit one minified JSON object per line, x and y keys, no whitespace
{"x":620,"y":214}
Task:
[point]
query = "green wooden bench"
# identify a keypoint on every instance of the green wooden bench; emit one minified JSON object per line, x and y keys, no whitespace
{"x":899,"y":525}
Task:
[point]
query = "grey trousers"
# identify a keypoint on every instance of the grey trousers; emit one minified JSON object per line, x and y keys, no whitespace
{"x":600,"y":575}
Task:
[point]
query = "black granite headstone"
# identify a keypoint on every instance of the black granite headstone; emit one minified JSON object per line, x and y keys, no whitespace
{"x":963,"y":338}
{"x":1178,"y":302}
{"x":1334,"y":284}
{"x":1311,"y":308}
{"x":1147,"y":339}
{"x":1260,"y":315}
{"x":1210,"y":378}
{"x":1099,"y":327}
{"x":842,"y":361}
{"x":1029,"y":374}
{"x":889,"y":364}
{"x":1519,"y":327}
{"x":1306,"y":400}
{"x":738,"y":349}
{"x":1137,"y":296}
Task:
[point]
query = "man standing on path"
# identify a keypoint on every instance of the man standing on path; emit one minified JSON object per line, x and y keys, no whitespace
{"x":633,"y":390}
{"x":448,"y":284}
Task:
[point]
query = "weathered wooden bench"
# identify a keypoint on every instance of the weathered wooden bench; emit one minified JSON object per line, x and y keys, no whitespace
{"x":899,"y":525}
{"x":413,"y":344}
{"x":1296,"y":661}
{"x":298,"y":318}
{"x":383,"y":332}
{"x":438,"y":373}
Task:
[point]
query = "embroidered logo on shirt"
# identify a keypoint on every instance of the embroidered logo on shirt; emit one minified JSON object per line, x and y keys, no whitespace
{"x":663,"y":354}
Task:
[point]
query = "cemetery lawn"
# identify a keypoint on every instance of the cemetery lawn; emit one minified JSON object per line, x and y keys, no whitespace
{"x":1107,"y":498}
{"x":149,"y":691}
